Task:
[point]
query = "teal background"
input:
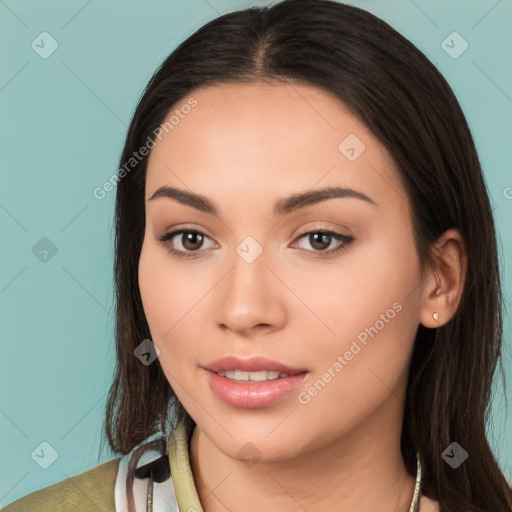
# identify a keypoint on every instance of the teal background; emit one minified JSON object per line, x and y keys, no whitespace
{"x":63,"y":123}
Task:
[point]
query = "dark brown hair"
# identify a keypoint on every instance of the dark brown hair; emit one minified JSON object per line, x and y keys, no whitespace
{"x":401,"y":97}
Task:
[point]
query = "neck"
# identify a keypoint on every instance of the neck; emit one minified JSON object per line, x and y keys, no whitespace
{"x":363,"y":471}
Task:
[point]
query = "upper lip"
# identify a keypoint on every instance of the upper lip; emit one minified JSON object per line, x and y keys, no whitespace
{"x":251,"y":364}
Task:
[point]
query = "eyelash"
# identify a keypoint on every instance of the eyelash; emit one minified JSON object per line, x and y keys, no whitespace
{"x":192,"y":254}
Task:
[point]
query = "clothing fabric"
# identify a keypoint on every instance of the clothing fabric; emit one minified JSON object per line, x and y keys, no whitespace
{"x":86,"y":492}
{"x":154,"y":477}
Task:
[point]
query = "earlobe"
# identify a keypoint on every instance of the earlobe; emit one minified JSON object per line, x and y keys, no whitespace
{"x":444,"y":286}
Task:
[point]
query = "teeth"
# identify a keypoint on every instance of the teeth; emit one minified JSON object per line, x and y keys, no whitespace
{"x":238,"y":375}
{"x":251,"y":376}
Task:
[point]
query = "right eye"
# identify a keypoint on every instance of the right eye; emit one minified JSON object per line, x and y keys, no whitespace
{"x":191,"y":240}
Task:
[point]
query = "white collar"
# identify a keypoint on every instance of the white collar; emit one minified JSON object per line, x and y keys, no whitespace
{"x":164,"y":496}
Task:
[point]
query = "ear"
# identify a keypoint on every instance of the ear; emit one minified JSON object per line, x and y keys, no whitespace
{"x":444,"y":283}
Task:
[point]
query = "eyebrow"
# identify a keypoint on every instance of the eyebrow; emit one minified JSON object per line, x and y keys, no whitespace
{"x":282,"y":207}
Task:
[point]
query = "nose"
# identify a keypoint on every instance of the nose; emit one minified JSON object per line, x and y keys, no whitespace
{"x":251,"y":299}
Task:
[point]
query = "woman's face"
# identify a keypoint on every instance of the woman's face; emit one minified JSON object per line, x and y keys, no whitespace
{"x":262,"y":282}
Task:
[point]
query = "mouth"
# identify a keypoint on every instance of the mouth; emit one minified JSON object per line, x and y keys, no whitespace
{"x":261,"y":376}
{"x":254,"y":369}
{"x":252,"y":383}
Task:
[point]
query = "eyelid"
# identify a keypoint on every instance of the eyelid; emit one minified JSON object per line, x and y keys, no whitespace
{"x":316,"y":228}
{"x":302,"y":231}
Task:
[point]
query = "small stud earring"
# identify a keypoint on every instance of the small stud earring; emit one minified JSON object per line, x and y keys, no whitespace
{"x":436,"y":316}
{"x":438,"y":291}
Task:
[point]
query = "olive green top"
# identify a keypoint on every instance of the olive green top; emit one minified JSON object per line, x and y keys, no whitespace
{"x":93,"y":490}
{"x":181,"y":472}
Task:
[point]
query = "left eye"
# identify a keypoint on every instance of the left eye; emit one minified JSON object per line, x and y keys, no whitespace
{"x":322,"y":239}
{"x":192,"y":240}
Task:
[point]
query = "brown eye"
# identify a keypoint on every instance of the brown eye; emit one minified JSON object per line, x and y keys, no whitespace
{"x":191,"y":241}
{"x":185,"y":243}
{"x":321,"y":239}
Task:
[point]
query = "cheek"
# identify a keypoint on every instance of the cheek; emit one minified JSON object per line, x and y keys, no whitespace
{"x":376,"y":310}
{"x":166,"y":291}
{"x":171,"y":299}
{"x":161,"y":292}
{"x":349,"y":294}
{"x":156,"y":294}
{"x":369,"y":303}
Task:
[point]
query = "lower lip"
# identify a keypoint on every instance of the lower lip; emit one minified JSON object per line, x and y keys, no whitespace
{"x":252,"y":395}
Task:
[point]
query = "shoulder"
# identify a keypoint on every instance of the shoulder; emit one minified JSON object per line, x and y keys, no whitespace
{"x":91,"y":490}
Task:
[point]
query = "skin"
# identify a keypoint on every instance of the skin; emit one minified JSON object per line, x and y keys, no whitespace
{"x":245,"y":146}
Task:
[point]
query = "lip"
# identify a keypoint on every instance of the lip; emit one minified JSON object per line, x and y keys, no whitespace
{"x":252,"y":395}
{"x":251,"y":364}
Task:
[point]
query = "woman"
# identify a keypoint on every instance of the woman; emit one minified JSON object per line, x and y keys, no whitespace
{"x":309,"y":302}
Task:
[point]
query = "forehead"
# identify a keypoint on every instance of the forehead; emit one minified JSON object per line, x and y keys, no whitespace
{"x":263,"y":137}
